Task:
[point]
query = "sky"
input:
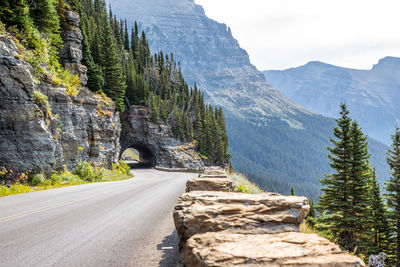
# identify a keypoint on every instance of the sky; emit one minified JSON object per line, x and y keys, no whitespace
{"x":280,"y":34}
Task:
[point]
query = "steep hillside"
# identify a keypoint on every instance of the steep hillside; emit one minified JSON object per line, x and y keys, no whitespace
{"x":372,"y":95}
{"x":271,"y":138}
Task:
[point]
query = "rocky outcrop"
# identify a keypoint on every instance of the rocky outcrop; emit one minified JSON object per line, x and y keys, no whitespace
{"x":71,"y":52}
{"x":211,"y":179}
{"x":201,"y":212}
{"x":275,"y":250}
{"x":210,"y":184}
{"x":42,"y":127}
{"x":156,"y":141}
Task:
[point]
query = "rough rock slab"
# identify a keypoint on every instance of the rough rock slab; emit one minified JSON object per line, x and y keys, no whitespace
{"x":213,"y":172}
{"x":199,"y":212}
{"x":210,"y":184}
{"x":274,"y":250}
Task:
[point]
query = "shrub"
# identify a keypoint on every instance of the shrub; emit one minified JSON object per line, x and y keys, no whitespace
{"x":2,"y":28}
{"x":86,"y":172}
{"x":14,"y":189}
{"x":121,"y":168}
{"x":69,"y":177}
{"x":42,"y":101}
{"x":38,"y":179}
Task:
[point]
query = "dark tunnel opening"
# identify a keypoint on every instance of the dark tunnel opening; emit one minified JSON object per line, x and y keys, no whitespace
{"x":138,"y":156}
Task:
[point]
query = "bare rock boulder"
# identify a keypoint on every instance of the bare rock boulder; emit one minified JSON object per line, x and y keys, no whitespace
{"x":274,"y":250}
{"x":210,"y":184}
{"x":213,"y":172}
{"x":199,"y":212}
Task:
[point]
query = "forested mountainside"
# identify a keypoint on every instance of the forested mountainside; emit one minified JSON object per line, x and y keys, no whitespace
{"x":276,"y":142}
{"x":372,"y":95}
{"x":119,"y":64}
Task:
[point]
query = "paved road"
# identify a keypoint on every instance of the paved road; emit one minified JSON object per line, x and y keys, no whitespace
{"x":124,"y":223}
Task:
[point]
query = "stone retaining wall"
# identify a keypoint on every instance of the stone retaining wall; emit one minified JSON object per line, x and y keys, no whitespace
{"x":223,"y":228}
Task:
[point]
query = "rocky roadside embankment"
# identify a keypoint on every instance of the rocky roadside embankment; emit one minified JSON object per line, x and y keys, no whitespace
{"x":219,"y":227}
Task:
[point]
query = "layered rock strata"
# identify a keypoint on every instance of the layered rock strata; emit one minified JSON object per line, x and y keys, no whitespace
{"x":200,"y":212}
{"x":210,"y":184}
{"x":274,"y":250}
{"x":40,"y":137}
{"x":42,"y":127}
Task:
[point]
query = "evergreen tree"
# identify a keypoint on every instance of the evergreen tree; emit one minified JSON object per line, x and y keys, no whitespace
{"x":393,"y":192}
{"x":126,"y":37}
{"x":379,"y":222}
{"x":15,"y":13}
{"x":292,"y":191}
{"x":45,"y":16}
{"x":114,"y":85}
{"x":344,"y":202}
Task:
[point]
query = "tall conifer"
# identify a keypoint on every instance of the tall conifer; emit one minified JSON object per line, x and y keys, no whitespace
{"x":393,"y":192}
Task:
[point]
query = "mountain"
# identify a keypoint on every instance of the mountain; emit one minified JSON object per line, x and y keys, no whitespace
{"x":371,"y":95}
{"x":277,"y":143}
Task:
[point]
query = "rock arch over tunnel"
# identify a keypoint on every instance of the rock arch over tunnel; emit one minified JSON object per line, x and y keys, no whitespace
{"x":138,"y":156}
{"x":155,"y":142}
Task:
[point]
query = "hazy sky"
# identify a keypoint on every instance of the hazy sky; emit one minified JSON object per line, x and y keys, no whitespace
{"x":280,"y":34}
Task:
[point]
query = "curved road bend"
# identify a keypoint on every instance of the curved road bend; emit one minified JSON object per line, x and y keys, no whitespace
{"x":123,"y":223}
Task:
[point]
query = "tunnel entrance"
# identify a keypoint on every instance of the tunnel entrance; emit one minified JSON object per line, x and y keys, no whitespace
{"x":138,"y":156}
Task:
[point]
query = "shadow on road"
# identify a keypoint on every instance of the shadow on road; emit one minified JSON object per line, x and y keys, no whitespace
{"x":169,"y":246}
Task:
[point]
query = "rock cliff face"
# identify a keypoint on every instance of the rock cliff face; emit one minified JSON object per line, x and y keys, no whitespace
{"x":155,"y":142}
{"x":372,"y":95}
{"x":81,"y":128}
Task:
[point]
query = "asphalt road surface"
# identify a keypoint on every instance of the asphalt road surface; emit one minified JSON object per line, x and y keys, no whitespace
{"x":123,"y":223}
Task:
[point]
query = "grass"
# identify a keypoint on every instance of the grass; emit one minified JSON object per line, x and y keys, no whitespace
{"x":244,"y":185}
{"x":38,"y":182}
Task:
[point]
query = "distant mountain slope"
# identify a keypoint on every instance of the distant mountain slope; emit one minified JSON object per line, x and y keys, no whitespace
{"x":373,"y":96}
{"x":278,"y":143}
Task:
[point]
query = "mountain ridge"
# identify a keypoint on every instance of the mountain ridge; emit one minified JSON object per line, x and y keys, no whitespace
{"x":371,"y":94}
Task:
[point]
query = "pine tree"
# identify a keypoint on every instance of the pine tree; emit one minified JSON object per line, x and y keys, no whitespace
{"x":15,"y":13}
{"x":379,"y":221}
{"x":344,"y":202}
{"x":360,"y":178}
{"x":95,"y":76}
{"x":114,"y":85}
{"x":126,"y":37}
{"x":292,"y":191}
{"x":45,"y":17}
{"x":393,"y":191}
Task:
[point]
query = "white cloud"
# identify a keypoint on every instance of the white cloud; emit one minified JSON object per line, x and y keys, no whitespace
{"x":280,"y":34}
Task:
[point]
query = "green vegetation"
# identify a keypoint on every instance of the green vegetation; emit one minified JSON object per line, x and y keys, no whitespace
{"x":83,"y":173}
{"x":244,"y":185}
{"x":42,"y":101}
{"x":36,"y":26}
{"x":393,"y":197}
{"x":352,"y":212}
